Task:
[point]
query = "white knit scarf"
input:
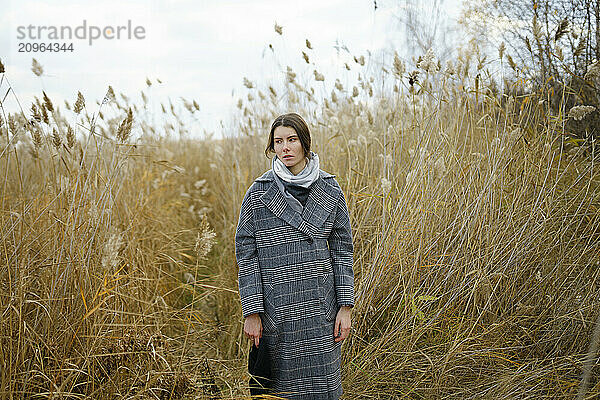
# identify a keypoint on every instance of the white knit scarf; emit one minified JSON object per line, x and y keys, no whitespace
{"x":305,"y":178}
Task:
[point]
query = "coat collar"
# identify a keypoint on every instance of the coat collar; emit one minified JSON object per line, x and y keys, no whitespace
{"x":321,"y":201}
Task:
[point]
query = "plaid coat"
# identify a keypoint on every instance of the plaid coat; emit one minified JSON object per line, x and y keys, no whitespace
{"x":295,"y":270}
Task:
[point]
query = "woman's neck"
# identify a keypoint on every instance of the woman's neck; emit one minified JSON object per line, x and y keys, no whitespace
{"x":296,"y":169}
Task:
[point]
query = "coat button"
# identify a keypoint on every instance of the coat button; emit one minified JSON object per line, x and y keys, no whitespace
{"x":309,"y":240}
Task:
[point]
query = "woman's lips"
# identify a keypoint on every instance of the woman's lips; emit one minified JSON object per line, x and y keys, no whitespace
{"x":286,"y":157}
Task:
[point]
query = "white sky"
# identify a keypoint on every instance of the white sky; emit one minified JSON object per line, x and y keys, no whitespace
{"x":200,"y":50}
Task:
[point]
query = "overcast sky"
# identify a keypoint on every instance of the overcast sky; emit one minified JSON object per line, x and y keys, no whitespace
{"x":200,"y":50}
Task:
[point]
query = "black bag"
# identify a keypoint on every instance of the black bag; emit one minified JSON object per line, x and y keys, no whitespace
{"x":259,"y":368}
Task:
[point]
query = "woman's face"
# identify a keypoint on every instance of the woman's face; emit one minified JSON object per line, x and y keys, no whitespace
{"x":288,"y":148}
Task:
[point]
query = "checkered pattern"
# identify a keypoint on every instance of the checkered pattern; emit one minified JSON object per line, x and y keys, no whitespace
{"x":295,"y":269}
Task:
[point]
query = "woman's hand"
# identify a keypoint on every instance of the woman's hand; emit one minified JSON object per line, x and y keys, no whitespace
{"x":253,"y":327}
{"x":341,"y":330}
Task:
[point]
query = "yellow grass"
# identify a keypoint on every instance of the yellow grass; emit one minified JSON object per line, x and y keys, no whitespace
{"x":476,"y":269}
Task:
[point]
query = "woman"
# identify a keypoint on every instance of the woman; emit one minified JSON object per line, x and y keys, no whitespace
{"x":294,"y":250}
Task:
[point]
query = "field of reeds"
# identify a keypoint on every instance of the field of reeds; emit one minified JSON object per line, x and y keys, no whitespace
{"x":475,"y":219}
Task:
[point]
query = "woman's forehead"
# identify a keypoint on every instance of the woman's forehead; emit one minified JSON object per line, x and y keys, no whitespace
{"x":284,"y":132}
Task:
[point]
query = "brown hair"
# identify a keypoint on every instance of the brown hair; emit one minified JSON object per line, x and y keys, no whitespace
{"x":297,"y":123}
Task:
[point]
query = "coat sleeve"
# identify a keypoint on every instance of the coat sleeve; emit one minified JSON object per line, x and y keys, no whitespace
{"x":246,"y":254}
{"x":341,"y":249}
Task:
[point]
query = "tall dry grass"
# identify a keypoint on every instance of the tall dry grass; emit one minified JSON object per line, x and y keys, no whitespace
{"x":103,"y":250}
{"x":476,"y":230}
{"x":475,"y":226}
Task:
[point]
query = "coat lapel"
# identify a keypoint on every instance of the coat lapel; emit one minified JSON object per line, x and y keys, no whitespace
{"x":321,"y":201}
